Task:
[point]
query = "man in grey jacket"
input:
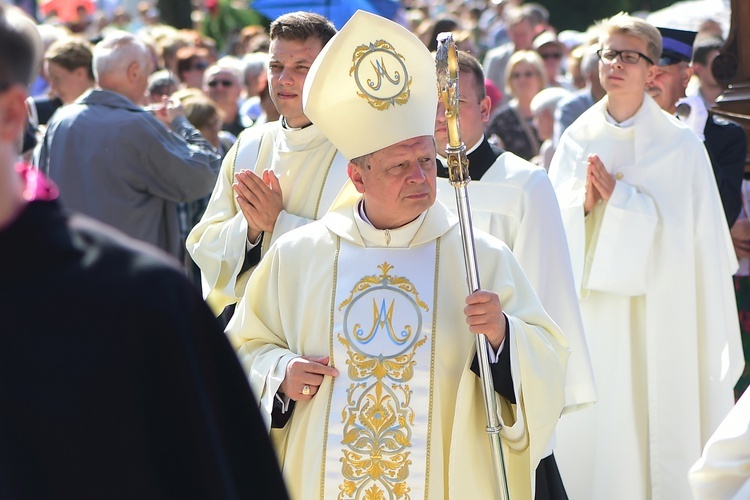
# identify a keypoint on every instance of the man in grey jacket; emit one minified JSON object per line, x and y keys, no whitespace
{"x":116,"y":162}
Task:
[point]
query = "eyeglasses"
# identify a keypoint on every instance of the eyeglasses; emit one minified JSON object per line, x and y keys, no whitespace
{"x":626,"y":56}
{"x":223,"y":83}
{"x":551,"y":55}
{"x":525,"y":74}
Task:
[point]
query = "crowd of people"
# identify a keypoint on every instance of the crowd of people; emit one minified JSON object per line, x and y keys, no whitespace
{"x":296,"y":175}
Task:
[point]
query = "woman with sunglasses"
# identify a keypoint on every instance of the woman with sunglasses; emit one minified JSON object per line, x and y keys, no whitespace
{"x":192,"y":63}
{"x":223,"y":83}
{"x":512,"y":128}
{"x":552,"y":51}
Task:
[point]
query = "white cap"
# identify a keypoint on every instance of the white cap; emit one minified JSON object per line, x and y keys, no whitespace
{"x":373,"y":85}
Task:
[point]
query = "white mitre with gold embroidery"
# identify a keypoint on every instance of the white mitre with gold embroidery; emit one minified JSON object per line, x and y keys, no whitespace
{"x":373,"y":85}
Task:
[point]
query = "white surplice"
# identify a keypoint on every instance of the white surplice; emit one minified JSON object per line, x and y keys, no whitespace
{"x":514,"y":202}
{"x":723,"y":471}
{"x":311,"y":173}
{"x":653,"y":267}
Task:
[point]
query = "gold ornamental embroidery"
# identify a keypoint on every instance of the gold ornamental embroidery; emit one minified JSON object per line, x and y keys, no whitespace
{"x":378,"y":417}
{"x":381,"y":75}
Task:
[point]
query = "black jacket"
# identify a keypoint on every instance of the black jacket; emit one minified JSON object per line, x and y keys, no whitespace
{"x":727,"y":147}
{"x":115,"y":379}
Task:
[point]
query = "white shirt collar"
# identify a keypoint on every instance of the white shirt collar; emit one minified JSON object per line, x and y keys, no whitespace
{"x":400,"y":237}
{"x":623,"y":124}
{"x":470,"y":150}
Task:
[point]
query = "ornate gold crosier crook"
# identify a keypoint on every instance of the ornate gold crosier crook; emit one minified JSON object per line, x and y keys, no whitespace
{"x":446,"y":62}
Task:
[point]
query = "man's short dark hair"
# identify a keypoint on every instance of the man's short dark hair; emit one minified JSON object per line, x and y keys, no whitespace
{"x":704,"y":47}
{"x":467,"y":63}
{"x":72,"y":53}
{"x":299,"y":26}
{"x":18,"y":56}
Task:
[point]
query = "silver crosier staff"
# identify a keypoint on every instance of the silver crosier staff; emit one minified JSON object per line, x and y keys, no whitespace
{"x":446,"y":62}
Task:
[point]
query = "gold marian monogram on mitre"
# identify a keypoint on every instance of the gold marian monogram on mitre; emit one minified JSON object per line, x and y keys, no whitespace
{"x":381,"y":75}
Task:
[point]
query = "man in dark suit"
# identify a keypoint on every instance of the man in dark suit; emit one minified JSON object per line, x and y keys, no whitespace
{"x":115,"y":380}
{"x":725,"y":141}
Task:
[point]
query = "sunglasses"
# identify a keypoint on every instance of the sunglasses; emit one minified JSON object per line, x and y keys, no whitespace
{"x":552,"y":55}
{"x":223,"y":83}
{"x":201,"y":65}
{"x":525,"y":74}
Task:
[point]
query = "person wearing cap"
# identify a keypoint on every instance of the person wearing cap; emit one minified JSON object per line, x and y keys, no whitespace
{"x":652,"y":262}
{"x":552,"y":51}
{"x":116,"y":380}
{"x":276,"y":177}
{"x":357,"y":328}
{"x":725,"y":141}
{"x":513,"y":200}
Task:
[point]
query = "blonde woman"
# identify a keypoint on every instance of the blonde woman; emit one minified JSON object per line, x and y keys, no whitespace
{"x":512,"y":128}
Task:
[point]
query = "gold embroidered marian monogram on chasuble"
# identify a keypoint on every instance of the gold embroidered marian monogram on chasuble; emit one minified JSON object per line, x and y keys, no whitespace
{"x":377,"y":442}
{"x":379,"y":425}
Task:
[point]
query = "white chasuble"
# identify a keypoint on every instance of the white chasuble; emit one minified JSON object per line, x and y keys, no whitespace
{"x":382,"y":341}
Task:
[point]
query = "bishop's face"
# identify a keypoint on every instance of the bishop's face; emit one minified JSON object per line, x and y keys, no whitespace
{"x":398,"y":182}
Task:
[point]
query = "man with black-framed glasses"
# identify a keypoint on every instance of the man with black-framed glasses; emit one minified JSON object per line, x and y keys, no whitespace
{"x":652,"y":261}
{"x":626,"y":56}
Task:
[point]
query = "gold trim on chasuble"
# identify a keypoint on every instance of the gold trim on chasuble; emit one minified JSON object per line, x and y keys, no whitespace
{"x":379,"y":413}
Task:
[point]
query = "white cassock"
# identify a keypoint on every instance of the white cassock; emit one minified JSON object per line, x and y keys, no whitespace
{"x":514,"y":202}
{"x":406,"y":413}
{"x":723,"y":471}
{"x":311,"y":173}
{"x":653,"y":266}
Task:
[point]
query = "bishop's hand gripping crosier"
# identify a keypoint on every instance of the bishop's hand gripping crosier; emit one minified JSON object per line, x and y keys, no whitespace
{"x":446,"y":62}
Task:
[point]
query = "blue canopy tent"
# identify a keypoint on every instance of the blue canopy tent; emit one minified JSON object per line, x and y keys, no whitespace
{"x":337,"y":11}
